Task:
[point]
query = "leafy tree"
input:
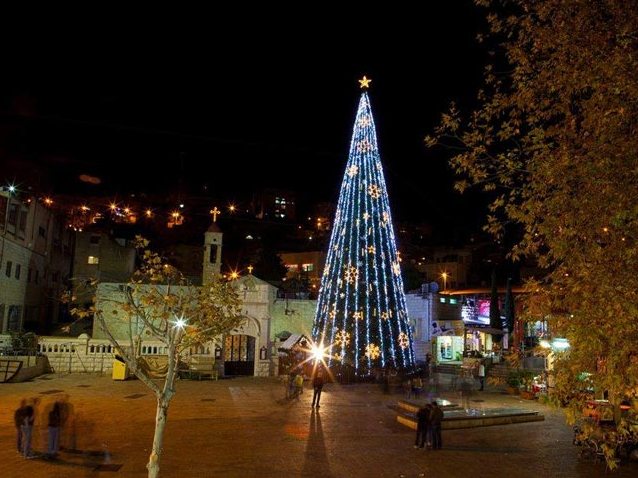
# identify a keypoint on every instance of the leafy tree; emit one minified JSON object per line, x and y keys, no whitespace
{"x":160,"y":304}
{"x":495,"y":313}
{"x":554,"y":139}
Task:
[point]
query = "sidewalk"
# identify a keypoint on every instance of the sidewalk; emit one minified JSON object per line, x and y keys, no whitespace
{"x":244,"y":427}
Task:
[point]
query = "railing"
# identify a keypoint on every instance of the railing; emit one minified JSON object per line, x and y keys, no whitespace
{"x":83,"y":354}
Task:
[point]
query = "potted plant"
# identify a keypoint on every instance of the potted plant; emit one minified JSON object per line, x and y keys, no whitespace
{"x":527,"y":378}
{"x":513,"y":382}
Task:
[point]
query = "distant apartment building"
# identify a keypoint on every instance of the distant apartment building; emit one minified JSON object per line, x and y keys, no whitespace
{"x":449,"y":268}
{"x":275,"y":204}
{"x":304,"y":266}
{"x":35,"y":262}
{"x":101,"y":257}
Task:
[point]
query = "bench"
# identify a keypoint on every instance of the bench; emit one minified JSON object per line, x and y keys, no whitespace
{"x":198,"y":368}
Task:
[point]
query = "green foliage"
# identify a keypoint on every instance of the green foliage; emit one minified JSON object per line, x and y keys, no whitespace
{"x":555,"y":141}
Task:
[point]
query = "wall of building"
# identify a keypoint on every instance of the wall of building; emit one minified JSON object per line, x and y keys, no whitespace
{"x":35,"y":262}
{"x":112,"y":260}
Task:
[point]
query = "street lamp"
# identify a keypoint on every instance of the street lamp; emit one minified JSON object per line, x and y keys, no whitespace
{"x":444,"y":276}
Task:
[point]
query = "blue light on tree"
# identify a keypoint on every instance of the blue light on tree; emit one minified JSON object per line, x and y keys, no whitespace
{"x":361,"y":314}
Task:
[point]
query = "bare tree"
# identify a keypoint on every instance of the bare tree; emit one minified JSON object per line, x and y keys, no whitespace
{"x":159,"y":303}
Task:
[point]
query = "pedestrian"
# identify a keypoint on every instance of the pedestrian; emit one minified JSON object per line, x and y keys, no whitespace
{"x":317,"y":385}
{"x":291,"y":384}
{"x":481,"y":375}
{"x":417,"y":386}
{"x":26,"y":427}
{"x":298,"y":385}
{"x":18,"y":418}
{"x":436,"y":419}
{"x":422,"y":419}
{"x":407,"y":388}
{"x":55,"y":420}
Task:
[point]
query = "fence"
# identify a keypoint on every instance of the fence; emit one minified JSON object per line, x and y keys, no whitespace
{"x":86,"y":355}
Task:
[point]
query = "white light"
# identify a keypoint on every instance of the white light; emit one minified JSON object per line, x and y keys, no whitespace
{"x":560,"y":344}
{"x":180,"y":323}
{"x":545,"y":344}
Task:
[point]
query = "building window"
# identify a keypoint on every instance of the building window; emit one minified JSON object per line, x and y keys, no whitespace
{"x":23,"y":221}
{"x":452,"y":301}
{"x":13,"y":318}
{"x":292,"y":267}
{"x":1,"y":317}
{"x":18,"y":270}
{"x":95,"y":239}
{"x":55,"y":276}
{"x":442,"y":300}
{"x":42,"y":232}
{"x":29,"y":272}
{"x":8,"y":269}
{"x":308,"y":267}
{"x":93,"y":260}
{"x":37,"y":276}
{"x":13,"y":214}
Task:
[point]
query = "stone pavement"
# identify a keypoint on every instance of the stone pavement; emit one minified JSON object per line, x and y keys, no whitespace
{"x":243,"y":427}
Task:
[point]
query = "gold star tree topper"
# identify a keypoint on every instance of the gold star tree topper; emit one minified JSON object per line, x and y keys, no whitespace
{"x":365,"y":82}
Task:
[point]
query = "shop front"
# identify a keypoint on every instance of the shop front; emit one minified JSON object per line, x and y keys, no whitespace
{"x":449,"y":348}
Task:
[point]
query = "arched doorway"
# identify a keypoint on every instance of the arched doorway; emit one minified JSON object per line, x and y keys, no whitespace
{"x":239,"y":355}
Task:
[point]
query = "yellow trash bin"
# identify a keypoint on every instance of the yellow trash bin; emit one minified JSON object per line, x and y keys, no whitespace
{"x":120,"y":369}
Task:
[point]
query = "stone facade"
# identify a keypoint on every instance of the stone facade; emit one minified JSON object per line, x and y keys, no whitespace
{"x":35,"y":261}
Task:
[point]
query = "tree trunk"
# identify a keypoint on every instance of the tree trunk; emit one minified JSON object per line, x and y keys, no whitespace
{"x":158,"y":438}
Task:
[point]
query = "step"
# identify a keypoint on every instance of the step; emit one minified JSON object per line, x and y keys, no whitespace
{"x":454,"y":419}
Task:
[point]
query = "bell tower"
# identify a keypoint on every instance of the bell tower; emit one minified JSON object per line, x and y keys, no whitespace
{"x":212,"y":253}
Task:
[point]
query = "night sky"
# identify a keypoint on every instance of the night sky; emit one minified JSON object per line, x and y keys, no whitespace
{"x":237,"y":101}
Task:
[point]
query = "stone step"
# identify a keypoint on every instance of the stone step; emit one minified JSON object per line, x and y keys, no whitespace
{"x":454,"y":419}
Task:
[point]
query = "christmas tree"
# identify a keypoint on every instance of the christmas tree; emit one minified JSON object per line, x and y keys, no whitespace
{"x":361,"y":317}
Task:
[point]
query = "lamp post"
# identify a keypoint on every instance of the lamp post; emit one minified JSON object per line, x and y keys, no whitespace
{"x":444,"y":276}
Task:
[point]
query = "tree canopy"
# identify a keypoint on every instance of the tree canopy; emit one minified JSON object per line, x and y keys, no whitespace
{"x":554,"y":139}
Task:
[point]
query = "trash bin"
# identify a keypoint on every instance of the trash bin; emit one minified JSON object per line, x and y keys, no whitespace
{"x":120,"y":369}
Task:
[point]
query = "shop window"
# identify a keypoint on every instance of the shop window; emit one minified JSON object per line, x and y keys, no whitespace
{"x":93,"y":260}
{"x":308,"y":267}
{"x":452,"y":301}
{"x":442,"y":300}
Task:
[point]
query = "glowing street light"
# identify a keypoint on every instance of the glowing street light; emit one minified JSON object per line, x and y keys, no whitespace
{"x":444,"y":276}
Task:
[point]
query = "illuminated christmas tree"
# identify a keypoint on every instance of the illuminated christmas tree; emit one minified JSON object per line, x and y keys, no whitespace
{"x":361,"y":315}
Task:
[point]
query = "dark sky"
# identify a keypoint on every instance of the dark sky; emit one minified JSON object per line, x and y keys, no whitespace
{"x":251,"y":98}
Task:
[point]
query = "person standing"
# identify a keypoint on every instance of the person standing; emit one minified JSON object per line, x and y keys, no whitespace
{"x":422,"y":420}
{"x":436,"y":419}
{"x":26,"y":427}
{"x":317,"y":385}
{"x":18,"y":418}
{"x":55,"y":419}
{"x":481,"y":375}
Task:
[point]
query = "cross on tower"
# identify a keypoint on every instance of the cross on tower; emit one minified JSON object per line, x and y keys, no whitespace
{"x":250,"y":269}
{"x":215,"y":212}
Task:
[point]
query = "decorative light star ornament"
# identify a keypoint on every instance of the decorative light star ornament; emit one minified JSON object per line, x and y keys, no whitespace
{"x":362,"y":276}
{"x":365,"y":82}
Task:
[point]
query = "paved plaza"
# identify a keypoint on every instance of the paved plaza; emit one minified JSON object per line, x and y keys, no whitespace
{"x":244,"y":427}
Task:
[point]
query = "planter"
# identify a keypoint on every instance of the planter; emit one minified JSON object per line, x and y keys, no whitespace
{"x":512,"y":390}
